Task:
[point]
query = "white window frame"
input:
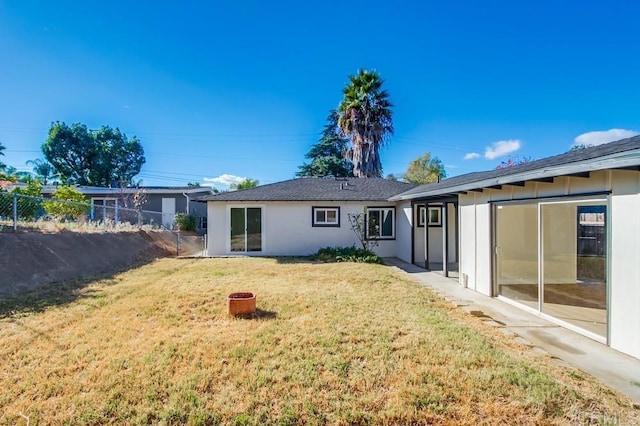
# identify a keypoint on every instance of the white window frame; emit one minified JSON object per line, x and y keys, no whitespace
{"x":325,"y":223}
{"x":422,"y":216}
{"x":382,"y":211}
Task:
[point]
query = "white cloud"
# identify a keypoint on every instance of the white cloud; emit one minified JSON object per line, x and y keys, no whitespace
{"x":603,"y":136}
{"x":471,"y":156}
{"x":225,"y":179}
{"x":500,"y":148}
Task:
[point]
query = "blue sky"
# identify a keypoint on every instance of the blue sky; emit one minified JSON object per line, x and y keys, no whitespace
{"x":243,"y":88}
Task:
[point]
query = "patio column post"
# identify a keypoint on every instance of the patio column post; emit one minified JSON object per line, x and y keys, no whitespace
{"x":426,"y":236}
{"x":445,"y":241}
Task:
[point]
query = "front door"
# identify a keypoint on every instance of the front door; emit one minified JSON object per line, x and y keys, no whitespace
{"x":245,"y":229}
{"x":168,"y":212}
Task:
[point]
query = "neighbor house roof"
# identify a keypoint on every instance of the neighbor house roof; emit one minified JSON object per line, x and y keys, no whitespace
{"x":100,"y":190}
{"x":318,"y":189}
{"x":622,"y":154}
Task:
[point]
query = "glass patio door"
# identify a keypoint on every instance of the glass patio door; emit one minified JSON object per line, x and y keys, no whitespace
{"x":516,"y":253}
{"x":574,"y":263}
{"x":245,"y":229}
{"x":551,"y":256}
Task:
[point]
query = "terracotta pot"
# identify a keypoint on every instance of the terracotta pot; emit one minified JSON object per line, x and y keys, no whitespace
{"x":241,"y":303}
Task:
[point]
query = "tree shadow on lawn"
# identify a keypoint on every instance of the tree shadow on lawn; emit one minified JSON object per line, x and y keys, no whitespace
{"x":21,"y":303}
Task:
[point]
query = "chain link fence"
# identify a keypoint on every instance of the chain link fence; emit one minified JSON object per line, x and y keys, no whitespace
{"x":20,"y":212}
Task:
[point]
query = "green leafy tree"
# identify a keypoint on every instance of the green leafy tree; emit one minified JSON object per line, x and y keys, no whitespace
{"x":93,"y":157}
{"x":185,"y":222}
{"x":425,"y":169}
{"x":24,"y":177}
{"x":580,"y":147}
{"x":392,"y":177}
{"x":245,"y":184}
{"x":367,"y":120}
{"x":67,"y":203}
{"x":328,"y":154}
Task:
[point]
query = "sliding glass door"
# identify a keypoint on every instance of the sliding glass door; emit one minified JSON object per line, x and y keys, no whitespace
{"x":552,"y":257}
{"x":574,"y":263}
{"x":245,"y":229}
{"x":516,"y":253}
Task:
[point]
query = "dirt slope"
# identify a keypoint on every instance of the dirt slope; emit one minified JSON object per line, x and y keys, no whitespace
{"x":30,"y":260}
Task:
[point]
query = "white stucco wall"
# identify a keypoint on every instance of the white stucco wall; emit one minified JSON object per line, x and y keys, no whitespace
{"x":216,"y":229}
{"x":624,"y":293}
{"x":475,"y":242}
{"x":468,"y":246}
{"x":287,"y":228}
{"x":476,"y":251}
{"x":404,"y":222}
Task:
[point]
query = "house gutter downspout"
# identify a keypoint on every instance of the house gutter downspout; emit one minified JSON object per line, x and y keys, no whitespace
{"x":187,"y":196}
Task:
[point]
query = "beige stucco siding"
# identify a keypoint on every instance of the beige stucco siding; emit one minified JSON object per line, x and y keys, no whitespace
{"x":625,"y":263}
{"x":623,"y":215}
{"x":287,"y":228}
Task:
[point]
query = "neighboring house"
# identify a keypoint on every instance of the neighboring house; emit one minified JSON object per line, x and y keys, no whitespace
{"x":5,"y":184}
{"x":160,"y":204}
{"x":299,"y":216}
{"x":558,"y":237}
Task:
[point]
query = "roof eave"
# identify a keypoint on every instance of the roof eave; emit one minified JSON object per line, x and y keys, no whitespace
{"x":613,"y":161}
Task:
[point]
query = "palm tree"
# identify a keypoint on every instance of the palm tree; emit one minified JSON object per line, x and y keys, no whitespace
{"x":6,"y":173}
{"x":367,"y":120}
{"x":2,"y":165}
{"x":43,"y":170}
{"x":245,"y":184}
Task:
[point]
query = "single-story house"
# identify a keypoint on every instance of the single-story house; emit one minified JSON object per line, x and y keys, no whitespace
{"x":559,"y":237}
{"x":158,"y":203}
{"x":297,"y":217}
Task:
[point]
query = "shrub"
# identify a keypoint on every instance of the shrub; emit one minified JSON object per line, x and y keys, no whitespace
{"x":67,"y":203}
{"x":346,"y":254}
{"x":28,"y":205}
{"x":185,"y":222}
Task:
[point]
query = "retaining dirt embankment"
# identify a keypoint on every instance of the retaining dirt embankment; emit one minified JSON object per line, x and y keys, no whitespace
{"x":31,"y":260}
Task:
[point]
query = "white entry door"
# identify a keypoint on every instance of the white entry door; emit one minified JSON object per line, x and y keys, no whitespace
{"x":168,"y":212}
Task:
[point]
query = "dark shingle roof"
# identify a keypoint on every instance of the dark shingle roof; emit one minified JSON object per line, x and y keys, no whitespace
{"x":318,"y":189}
{"x":620,"y":154}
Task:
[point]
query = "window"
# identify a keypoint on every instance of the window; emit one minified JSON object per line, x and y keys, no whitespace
{"x":380,"y":223}
{"x":433,"y":216}
{"x":421,"y":216}
{"x":202,"y":222}
{"x":326,"y":216}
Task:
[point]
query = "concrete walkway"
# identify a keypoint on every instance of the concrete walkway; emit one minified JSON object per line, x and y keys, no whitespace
{"x":615,"y":369}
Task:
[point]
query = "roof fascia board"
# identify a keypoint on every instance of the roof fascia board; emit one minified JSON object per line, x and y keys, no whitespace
{"x":613,"y":161}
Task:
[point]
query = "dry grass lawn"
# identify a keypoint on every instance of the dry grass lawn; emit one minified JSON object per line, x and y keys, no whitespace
{"x":331,"y":344}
